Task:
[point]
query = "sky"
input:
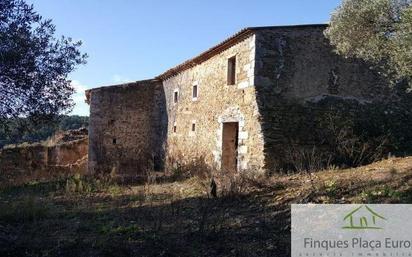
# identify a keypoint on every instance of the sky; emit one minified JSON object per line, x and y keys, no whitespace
{"x":129,"y":40}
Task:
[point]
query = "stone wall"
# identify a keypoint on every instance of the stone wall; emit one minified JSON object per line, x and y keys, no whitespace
{"x":216,"y":103}
{"x":287,"y":81}
{"x":296,"y":68}
{"x":47,"y":159}
{"x":126,"y":128}
{"x":299,"y":63}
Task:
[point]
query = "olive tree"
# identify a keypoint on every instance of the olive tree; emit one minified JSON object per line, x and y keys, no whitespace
{"x":34,"y":64}
{"x":377,"y":31}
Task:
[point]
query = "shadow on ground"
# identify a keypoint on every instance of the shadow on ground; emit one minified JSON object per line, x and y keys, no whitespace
{"x":48,"y":219}
{"x":244,"y":225}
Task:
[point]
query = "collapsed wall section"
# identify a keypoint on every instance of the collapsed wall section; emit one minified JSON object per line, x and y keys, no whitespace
{"x":47,"y":159}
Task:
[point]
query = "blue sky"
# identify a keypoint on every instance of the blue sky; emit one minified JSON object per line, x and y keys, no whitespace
{"x":130,"y":40}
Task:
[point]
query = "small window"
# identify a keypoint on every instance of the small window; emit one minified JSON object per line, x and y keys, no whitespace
{"x":231,"y":71}
{"x":194,"y":92}
{"x":174,"y":128}
{"x":114,"y":141}
{"x":193,"y":127}
{"x":175,"y":96}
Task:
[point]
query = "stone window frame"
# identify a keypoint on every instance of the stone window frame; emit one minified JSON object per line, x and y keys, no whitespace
{"x":229,"y":80}
{"x":195,"y":84}
{"x":174,"y":128}
{"x":176,"y":96}
{"x":191,"y":131}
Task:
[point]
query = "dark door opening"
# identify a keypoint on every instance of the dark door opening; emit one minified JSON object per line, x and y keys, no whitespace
{"x":230,"y":146}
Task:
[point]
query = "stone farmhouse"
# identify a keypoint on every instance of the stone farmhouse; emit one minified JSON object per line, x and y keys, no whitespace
{"x":237,"y":106}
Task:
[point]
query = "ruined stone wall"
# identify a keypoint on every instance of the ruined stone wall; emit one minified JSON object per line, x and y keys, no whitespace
{"x":67,"y":153}
{"x":34,"y":161}
{"x":296,"y":68}
{"x":217,"y":102}
{"x":126,"y":124}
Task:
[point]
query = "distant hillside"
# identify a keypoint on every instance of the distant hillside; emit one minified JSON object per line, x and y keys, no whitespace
{"x":21,"y":130}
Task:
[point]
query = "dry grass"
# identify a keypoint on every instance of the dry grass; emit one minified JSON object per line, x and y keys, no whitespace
{"x":351,"y":185}
{"x":80,"y":216}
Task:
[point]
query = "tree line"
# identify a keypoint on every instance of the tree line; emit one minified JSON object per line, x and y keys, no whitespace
{"x":19,"y":130}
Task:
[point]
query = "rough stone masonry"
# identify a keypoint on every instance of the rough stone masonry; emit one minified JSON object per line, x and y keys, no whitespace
{"x":228,"y":108}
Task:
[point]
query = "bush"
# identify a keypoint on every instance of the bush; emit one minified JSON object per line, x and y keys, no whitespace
{"x":79,"y":184}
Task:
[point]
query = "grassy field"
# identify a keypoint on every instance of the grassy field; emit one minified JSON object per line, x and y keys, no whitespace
{"x":78,"y":216}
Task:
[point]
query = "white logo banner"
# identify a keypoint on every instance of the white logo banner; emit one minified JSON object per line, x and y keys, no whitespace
{"x":351,"y":230}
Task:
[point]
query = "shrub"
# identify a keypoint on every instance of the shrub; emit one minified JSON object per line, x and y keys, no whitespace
{"x":84,"y":185}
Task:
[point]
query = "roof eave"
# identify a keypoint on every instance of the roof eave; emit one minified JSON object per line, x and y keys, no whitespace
{"x":229,"y":42}
{"x":238,"y":37}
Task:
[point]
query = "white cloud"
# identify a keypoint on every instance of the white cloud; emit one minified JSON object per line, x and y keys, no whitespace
{"x":79,"y":91}
{"x":120,"y":79}
{"x":79,"y":97}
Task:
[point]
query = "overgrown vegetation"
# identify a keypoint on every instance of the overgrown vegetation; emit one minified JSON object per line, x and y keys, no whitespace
{"x":96,"y":216}
{"x":347,"y":133}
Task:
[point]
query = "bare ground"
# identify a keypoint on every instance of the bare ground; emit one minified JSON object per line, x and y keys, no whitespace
{"x":89,"y":217}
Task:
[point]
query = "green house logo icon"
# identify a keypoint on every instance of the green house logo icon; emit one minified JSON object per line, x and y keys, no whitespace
{"x":363,"y":217}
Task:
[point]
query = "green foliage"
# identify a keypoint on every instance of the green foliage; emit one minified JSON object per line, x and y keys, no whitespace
{"x":377,"y":31}
{"x":34,"y":65}
{"x":84,"y":185}
{"x":111,"y":230}
{"x":77,"y":184}
{"x":72,"y":122}
{"x":331,"y":188}
{"x":378,"y":194}
{"x":18,"y":130}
